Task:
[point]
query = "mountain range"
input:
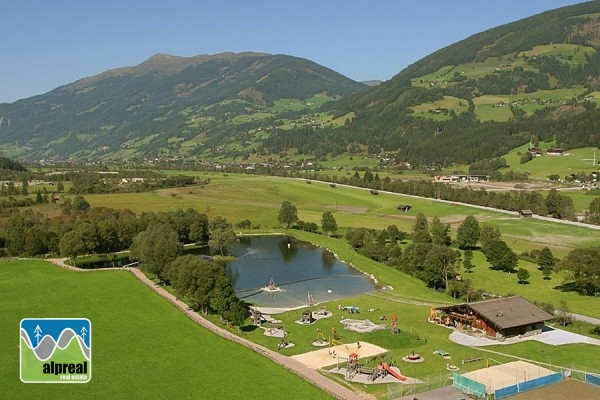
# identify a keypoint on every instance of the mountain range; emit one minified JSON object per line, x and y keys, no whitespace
{"x":537,"y":78}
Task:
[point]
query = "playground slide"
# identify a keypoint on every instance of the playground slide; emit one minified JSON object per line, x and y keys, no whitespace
{"x":393,"y":373}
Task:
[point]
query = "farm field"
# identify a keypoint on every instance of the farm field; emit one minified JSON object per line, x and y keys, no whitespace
{"x":259,"y":198}
{"x":142,"y":346}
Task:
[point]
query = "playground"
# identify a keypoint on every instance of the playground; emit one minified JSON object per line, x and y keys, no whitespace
{"x":329,"y":356}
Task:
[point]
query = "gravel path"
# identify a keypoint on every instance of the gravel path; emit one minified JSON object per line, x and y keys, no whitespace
{"x":308,"y":374}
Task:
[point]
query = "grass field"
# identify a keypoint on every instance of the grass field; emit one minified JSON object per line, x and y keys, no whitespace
{"x":142,"y":346}
{"x":258,"y":198}
{"x":121,"y":308}
{"x":573,"y":161}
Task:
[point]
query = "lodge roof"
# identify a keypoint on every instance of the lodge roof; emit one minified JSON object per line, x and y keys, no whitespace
{"x":507,"y":312}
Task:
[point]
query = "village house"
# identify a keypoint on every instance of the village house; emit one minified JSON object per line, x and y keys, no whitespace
{"x":525,"y":213}
{"x":461,"y":178}
{"x":404,"y":207}
{"x":536,"y":151}
{"x":555,"y":152}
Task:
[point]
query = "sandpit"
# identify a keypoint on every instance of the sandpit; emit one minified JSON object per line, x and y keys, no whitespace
{"x":361,"y":325}
{"x":274,"y":332}
{"x":329,"y":356}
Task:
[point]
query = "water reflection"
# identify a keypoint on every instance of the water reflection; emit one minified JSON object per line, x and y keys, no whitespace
{"x":299,"y":268}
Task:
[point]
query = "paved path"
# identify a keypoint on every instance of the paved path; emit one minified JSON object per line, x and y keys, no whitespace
{"x":585,"y":318}
{"x":308,"y":374}
{"x":553,"y":336}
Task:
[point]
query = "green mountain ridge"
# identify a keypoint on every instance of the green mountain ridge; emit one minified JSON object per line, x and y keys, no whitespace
{"x":165,"y":97}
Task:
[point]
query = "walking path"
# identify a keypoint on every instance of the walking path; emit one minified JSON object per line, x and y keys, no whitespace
{"x":585,"y":318}
{"x":308,"y":374}
{"x":553,"y":336}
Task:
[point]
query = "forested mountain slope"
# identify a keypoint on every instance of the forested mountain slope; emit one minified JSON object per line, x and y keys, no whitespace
{"x":490,"y":92}
{"x":166,"y":105}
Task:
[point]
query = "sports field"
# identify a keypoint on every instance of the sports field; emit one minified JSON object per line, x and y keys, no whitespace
{"x":142,"y":346}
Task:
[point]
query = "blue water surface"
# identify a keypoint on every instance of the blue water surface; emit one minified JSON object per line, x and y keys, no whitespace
{"x":299,"y":268}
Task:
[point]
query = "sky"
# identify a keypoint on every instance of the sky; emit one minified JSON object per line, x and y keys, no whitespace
{"x":46,"y":44}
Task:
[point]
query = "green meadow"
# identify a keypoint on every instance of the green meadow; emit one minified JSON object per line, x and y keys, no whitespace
{"x":258,"y":198}
{"x":186,"y":358}
{"x":434,"y":109}
{"x":142,"y":346}
{"x":573,"y":161}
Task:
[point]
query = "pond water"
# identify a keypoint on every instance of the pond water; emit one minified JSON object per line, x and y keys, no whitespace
{"x":298,"y":268}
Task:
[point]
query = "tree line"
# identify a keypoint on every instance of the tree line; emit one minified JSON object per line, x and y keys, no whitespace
{"x":154,"y":239}
{"x":430,"y":254}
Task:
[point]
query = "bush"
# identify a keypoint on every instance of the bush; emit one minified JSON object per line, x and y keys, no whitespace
{"x":244,"y":224}
{"x":595,"y":330}
{"x":548,"y":307}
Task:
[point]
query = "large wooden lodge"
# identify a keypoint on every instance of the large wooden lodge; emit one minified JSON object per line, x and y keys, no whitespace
{"x":498,"y":318}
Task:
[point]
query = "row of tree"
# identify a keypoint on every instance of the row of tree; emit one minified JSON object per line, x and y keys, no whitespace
{"x":202,"y":282}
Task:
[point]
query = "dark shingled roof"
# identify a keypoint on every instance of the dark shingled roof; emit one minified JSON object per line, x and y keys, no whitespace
{"x":509,"y":312}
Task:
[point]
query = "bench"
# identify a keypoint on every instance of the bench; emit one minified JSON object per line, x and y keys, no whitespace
{"x":472,"y":359}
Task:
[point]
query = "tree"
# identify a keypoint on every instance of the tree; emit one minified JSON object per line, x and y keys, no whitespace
{"x":546,"y":262}
{"x":463,"y":289}
{"x":194,"y":278}
{"x":87,"y":232}
{"x":522,"y":275}
{"x":221,"y":234}
{"x":583,"y":269}
{"x":328,"y":223}
{"x":80,"y":203}
{"x":394,"y":234}
{"x":440,"y":233}
{"x":288,"y":213}
{"x":71,"y":245}
{"x":563,"y":313}
{"x":420,"y":233}
{"x":155,"y":248}
{"x":534,"y":141}
{"x":594,"y":211}
{"x":14,"y":234}
{"x":488,"y":234}
{"x":500,"y":256}
{"x":199,"y":229}
{"x":467,"y":262}
{"x":439,"y":266}
{"x":468,"y":233}
{"x":25,"y":187}
{"x":559,"y":206}
{"x":413,"y":258}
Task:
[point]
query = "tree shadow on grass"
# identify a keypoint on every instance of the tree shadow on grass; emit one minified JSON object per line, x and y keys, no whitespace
{"x":248,"y":328}
{"x":567,"y":287}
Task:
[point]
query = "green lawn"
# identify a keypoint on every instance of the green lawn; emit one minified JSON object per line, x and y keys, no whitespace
{"x":142,"y":346}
